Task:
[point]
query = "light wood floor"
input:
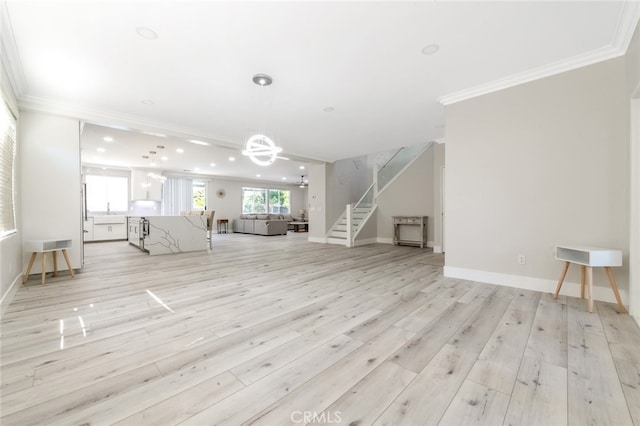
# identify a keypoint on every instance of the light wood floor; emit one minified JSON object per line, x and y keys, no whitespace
{"x":276,"y":331}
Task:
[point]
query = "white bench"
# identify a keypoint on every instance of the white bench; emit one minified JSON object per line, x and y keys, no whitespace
{"x":44,"y":247}
{"x":589,"y":257}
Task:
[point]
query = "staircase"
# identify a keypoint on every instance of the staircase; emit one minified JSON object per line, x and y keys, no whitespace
{"x":345,"y":230}
{"x":339,"y":231}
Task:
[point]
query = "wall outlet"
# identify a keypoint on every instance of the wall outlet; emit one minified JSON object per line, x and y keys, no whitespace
{"x":522,"y":259}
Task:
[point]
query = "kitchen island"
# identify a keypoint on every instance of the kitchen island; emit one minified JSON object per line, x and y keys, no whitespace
{"x":168,"y":234}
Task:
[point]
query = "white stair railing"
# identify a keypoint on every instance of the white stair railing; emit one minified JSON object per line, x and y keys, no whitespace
{"x":397,"y":163}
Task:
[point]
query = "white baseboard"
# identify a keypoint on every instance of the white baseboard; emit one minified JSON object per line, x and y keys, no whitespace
{"x":390,"y":241}
{"x":8,"y":296}
{"x":602,"y":293}
{"x":366,"y":242}
{"x":437,"y":249}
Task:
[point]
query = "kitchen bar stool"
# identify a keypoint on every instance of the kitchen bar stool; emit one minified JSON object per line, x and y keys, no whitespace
{"x":44,"y":247}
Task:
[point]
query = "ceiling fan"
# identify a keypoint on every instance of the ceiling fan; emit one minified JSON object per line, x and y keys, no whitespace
{"x":303,"y":183}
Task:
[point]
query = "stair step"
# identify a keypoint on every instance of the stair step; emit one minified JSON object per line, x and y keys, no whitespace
{"x":338,"y":234}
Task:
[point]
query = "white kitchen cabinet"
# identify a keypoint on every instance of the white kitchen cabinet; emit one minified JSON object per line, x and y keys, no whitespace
{"x":109,"y":228}
{"x":145,"y":187}
{"x":88,"y":229}
{"x":134,"y":230}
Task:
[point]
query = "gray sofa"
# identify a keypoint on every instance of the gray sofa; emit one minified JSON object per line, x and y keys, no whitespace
{"x":261,"y":224}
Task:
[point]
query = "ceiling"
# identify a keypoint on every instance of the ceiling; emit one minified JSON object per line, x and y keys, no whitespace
{"x":349,"y":78}
{"x":124,"y":149}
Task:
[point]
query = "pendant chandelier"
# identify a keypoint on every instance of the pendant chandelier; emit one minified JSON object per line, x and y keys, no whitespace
{"x":260,"y":148}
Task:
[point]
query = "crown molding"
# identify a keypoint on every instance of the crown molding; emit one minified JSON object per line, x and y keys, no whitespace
{"x":9,"y":52}
{"x":627,"y":22}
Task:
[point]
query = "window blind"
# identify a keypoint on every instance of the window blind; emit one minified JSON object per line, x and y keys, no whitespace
{"x":7,"y":166}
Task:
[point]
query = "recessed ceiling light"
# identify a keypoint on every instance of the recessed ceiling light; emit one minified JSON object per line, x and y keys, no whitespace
{"x":430,"y":49}
{"x":160,"y":146}
{"x":107,"y":139}
{"x":232,"y":158}
{"x":212,"y":164}
{"x":147,"y":33}
{"x":262,"y":80}
{"x":146,"y":157}
{"x":101,"y":150}
{"x":328,"y":109}
{"x":153,"y":163}
{"x":199,"y":142}
{"x":179,"y":150}
{"x":258,"y":175}
{"x":164,"y":158}
{"x":197,"y":169}
{"x":152,"y":152}
{"x":301,"y":167}
{"x":148,"y":102}
{"x":284,"y":178}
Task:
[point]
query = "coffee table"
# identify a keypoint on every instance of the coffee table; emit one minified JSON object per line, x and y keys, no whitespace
{"x":297,"y":225}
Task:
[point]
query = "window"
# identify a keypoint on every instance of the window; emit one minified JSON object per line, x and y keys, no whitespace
{"x":107,"y":193}
{"x":198,"y":196}
{"x":255,"y":200}
{"x":7,"y":171}
{"x":279,"y":201}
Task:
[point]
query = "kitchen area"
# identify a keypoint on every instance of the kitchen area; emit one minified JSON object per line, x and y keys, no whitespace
{"x":125,"y":205}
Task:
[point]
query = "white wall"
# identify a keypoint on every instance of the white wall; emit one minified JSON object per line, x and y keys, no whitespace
{"x":51,"y":182}
{"x":633,"y":89}
{"x":230,"y":205}
{"x":317,"y":201}
{"x":537,"y":165}
{"x":410,"y":194}
{"x":347,"y":181}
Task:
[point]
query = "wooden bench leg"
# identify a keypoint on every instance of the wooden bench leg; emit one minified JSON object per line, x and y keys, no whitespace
{"x":614,"y":287}
{"x":66,"y":259}
{"x":26,"y":275}
{"x":590,"y":286}
{"x":55,"y":263}
{"x":561,"y":280}
{"x":44,"y":266}
{"x":583,"y":273}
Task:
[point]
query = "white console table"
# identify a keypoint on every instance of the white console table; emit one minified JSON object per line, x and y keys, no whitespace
{"x":589,"y":257}
{"x":416,"y":222}
{"x":44,"y":247}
